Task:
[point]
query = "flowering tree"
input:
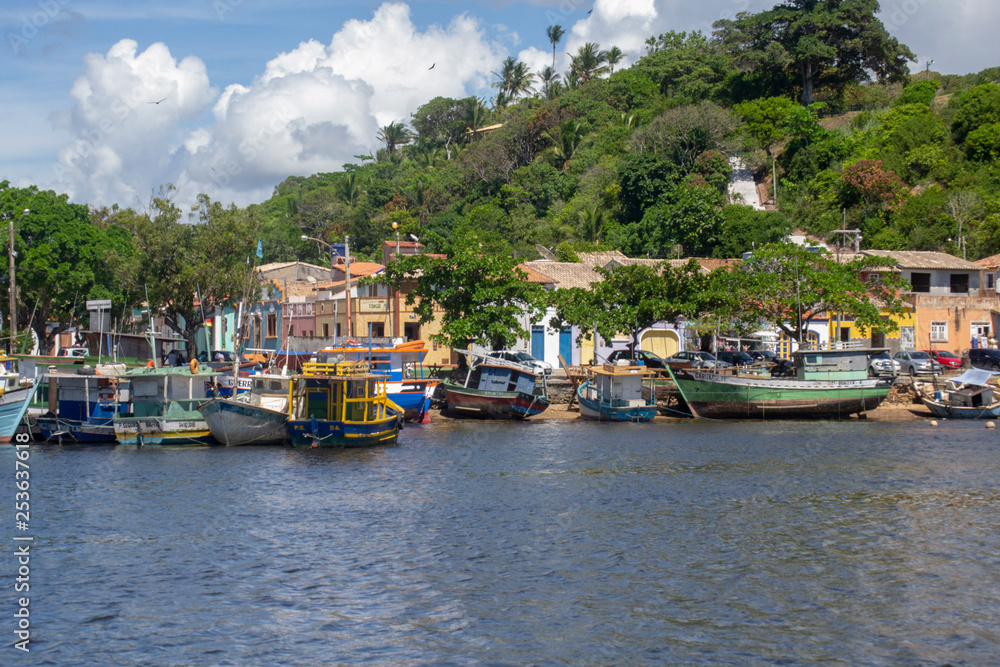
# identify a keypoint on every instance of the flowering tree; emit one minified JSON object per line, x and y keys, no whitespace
{"x":875,"y":188}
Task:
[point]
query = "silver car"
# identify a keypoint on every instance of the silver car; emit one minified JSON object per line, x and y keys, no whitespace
{"x":916,"y":363}
{"x":882,"y":364}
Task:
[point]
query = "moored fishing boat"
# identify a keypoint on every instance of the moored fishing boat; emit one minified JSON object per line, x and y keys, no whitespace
{"x":967,"y":396}
{"x":618,"y":394}
{"x":82,"y":403}
{"x":407,"y":382}
{"x":830,"y":382}
{"x":257,"y":418}
{"x":341,"y":405}
{"x":499,"y":389}
{"x":15,"y":395}
{"x":164,"y":409}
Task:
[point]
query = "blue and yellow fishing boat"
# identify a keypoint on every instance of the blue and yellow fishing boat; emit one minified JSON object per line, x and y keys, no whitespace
{"x":341,"y":405}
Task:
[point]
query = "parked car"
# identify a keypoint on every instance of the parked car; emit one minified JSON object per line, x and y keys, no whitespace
{"x":735,"y":358}
{"x":696,"y":359}
{"x":764,"y":356}
{"x":524,"y":359}
{"x":73,"y":352}
{"x":985,"y":357}
{"x":946,"y":358}
{"x":648,"y":359}
{"x":882,"y":364}
{"x":917,"y":363}
{"x":216,"y":356}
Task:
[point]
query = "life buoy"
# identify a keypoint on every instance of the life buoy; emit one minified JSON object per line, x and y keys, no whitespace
{"x":351,"y":341}
{"x":194,"y":367}
{"x":150,"y":364}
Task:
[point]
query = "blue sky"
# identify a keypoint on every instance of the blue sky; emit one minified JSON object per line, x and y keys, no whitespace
{"x":253,"y":91}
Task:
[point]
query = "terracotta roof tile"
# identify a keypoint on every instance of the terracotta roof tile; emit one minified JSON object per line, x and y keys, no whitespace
{"x":918,"y":259}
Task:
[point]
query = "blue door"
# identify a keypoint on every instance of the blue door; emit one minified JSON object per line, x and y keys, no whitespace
{"x":566,"y":345}
{"x":538,"y":342}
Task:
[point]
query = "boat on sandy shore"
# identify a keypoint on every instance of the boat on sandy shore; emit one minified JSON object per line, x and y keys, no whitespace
{"x":618,"y":394}
{"x":967,"y":396}
{"x":499,"y":389}
{"x":830,"y":382}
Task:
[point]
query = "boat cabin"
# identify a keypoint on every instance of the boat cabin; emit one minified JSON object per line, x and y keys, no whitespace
{"x":837,"y":361}
{"x":164,"y":392}
{"x":270,"y":392}
{"x":506,"y":378}
{"x":620,"y":386}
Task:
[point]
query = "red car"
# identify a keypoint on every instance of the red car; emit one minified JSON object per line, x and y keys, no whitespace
{"x":945,"y":358}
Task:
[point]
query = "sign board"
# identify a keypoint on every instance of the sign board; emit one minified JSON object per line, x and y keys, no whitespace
{"x":99,"y":304}
{"x":373,"y":306}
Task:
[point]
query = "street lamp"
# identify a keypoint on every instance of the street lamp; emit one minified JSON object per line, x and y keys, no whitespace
{"x":347,"y":271}
{"x":961,"y":244}
{"x":927,"y":72}
{"x":395,"y":293}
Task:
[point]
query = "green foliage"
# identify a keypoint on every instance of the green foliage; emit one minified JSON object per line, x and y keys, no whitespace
{"x":745,"y":229}
{"x":766,"y":120}
{"x":829,"y":44}
{"x":481,"y":293}
{"x":983,"y":143}
{"x":686,"y":67}
{"x":788,"y":286}
{"x":689,"y":216}
{"x":980,"y":106}
{"x":643,"y":179}
{"x":565,"y":253}
{"x":922,"y":92}
{"x":629,"y":299}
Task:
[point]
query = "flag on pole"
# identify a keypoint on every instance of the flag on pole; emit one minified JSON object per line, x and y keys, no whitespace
{"x":260,"y":248}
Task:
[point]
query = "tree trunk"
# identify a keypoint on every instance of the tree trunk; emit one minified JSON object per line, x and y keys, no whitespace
{"x":807,"y":83}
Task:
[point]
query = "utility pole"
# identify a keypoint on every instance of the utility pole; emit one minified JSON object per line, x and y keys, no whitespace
{"x":13,"y":287}
{"x":347,"y":273}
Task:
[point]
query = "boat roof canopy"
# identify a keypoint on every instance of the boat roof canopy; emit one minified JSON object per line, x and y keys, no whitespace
{"x":976,"y":376}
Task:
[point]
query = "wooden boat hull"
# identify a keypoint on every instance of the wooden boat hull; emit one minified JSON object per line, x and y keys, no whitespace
{"x":494,"y":404}
{"x":715,"y":396}
{"x":603,"y":412}
{"x":943,"y":410}
{"x":233,"y":422}
{"x":148,"y":431}
{"x":13,"y":405}
{"x":413,"y":396}
{"x":92,"y":430}
{"x":314,"y":433}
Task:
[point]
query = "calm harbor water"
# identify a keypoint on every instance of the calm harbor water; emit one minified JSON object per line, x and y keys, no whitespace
{"x":534,"y":543}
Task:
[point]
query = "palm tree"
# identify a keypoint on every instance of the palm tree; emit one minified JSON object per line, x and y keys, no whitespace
{"x":431,"y":158}
{"x":475,"y":115}
{"x":589,"y":62}
{"x":591,"y":224}
{"x":349,"y":190}
{"x":614,"y":56}
{"x":514,"y":79}
{"x":547,"y":77}
{"x":555,"y":34}
{"x":566,"y":141}
{"x":393,"y":135}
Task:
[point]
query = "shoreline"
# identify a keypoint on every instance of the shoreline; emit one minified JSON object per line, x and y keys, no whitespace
{"x":893,"y":412}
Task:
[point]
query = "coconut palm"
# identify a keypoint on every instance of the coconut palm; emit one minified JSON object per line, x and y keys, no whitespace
{"x":555,"y":34}
{"x":614,"y":56}
{"x":591,"y":224}
{"x":589,"y":62}
{"x":547,"y":77}
{"x":393,"y":135}
{"x":349,"y":190}
{"x":476,"y":114}
{"x":566,"y":141}
{"x":514,"y":79}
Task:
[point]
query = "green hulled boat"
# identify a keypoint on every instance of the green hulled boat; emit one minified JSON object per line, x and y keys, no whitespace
{"x":830,"y":382}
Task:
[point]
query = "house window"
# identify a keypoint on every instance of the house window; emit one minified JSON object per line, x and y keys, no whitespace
{"x":377,"y":329}
{"x":960,"y":283}
{"x":272,"y":325}
{"x":921,"y":282}
{"x":991,"y":280}
{"x":939,"y":332}
{"x":874,"y":278}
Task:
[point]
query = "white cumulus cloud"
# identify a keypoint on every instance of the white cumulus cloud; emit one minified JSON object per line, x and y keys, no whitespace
{"x":311,"y":109}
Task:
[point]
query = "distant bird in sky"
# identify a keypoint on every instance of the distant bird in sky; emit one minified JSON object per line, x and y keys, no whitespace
{"x":590,"y":12}
{"x":157,"y":102}
{"x":432,"y":66}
